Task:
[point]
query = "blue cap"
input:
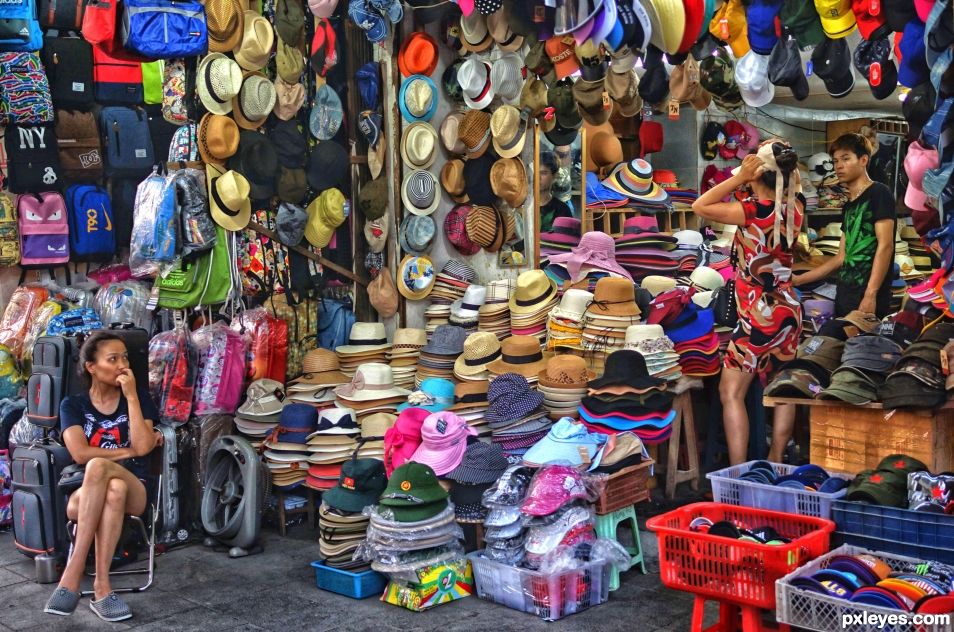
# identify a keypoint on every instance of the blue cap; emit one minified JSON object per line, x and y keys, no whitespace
{"x":373,"y":24}
{"x":368,"y":78}
{"x":326,"y":114}
{"x":913,"y":69}
{"x":614,"y":39}
{"x":760,"y":16}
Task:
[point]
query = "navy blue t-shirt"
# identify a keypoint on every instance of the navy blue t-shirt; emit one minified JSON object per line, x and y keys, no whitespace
{"x":109,"y":431}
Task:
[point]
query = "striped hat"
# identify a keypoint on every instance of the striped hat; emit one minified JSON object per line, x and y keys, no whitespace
{"x":419,"y":192}
{"x":634,"y":179}
{"x":486,"y":228}
{"x":505,"y":78}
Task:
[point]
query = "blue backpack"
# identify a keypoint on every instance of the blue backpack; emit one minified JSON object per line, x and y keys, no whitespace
{"x":127,"y":143}
{"x":73,"y":322}
{"x":19,"y":26}
{"x":160,"y":29}
{"x":92,"y":236}
{"x":155,"y":219}
{"x":334,"y":323}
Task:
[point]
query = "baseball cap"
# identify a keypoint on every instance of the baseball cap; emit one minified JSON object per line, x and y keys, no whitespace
{"x":872,"y":59}
{"x":785,"y":66}
{"x":870,"y":25}
{"x":751,"y":74}
{"x":897,"y":13}
{"x":760,"y":16}
{"x":831,"y":61}
{"x":803,"y":21}
{"x":879,"y":487}
{"x":837,"y":18}
{"x":796,"y":382}
{"x":916,"y":162}
{"x":913,"y":69}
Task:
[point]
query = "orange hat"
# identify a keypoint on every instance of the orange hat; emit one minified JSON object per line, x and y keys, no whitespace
{"x":562,"y":54}
{"x":730,"y":26}
{"x":418,"y":55}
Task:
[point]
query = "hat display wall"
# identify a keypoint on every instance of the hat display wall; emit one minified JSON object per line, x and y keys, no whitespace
{"x":219,"y":80}
{"x":258,"y":40}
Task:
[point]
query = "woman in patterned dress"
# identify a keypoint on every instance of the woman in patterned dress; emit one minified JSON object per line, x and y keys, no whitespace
{"x":769,"y":216}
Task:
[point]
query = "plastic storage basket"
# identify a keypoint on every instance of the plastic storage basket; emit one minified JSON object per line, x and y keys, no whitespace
{"x":728,"y":488}
{"x":734,"y":570}
{"x":902,"y":531}
{"x":550,"y":597}
{"x":355,"y":585}
{"x":813,"y":611}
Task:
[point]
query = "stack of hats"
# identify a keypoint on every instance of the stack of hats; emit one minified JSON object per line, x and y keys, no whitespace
{"x":494,"y":314}
{"x":316,"y":385}
{"x":691,"y":328}
{"x":657,"y":349}
{"x":471,"y":405}
{"x":444,"y":438}
{"x":367,"y":342}
{"x":449,"y":286}
{"x":918,"y":380}
{"x":519,"y":354}
{"x":592,"y":259}
{"x":402,"y":439}
{"x":688,"y":246}
{"x":286,"y":449}
{"x":434,"y":394}
{"x":333,"y":442}
{"x":568,"y":442}
{"x":624,"y":451}
{"x":373,"y":429}
{"x":643,"y":250}
{"x":556,"y":512}
{"x":533,"y":298}
{"x":887,"y":484}
{"x":441,"y":351}
{"x":482,"y":464}
{"x":515,"y":414}
{"x":810,"y":372}
{"x":258,"y":415}
{"x":403,"y":355}
{"x":342,"y":526}
{"x":627,"y":399}
{"x":480,"y":349}
{"x":612,"y":310}
{"x":565,"y":322}
{"x":465,"y":311}
{"x":504,"y":532}
{"x":865,"y":363}
{"x":371,"y":390}
{"x":563,"y":385}
{"x":562,"y":237}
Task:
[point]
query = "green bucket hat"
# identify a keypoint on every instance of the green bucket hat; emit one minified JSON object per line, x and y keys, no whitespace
{"x":879,"y":487}
{"x":359,"y":485}
{"x":414,"y":493}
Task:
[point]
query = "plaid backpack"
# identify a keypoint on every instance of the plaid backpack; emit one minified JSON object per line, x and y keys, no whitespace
{"x":24,"y":90}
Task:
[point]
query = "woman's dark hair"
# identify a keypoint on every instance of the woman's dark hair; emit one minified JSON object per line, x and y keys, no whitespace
{"x":548,"y":160}
{"x":787,"y":160}
{"x":88,"y":351}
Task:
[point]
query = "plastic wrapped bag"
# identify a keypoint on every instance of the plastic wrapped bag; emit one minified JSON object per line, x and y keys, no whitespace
{"x":155,"y":224}
{"x":41,"y":318}
{"x":25,"y":432}
{"x":124,"y":302}
{"x":172,"y":372}
{"x":221,"y":369}
{"x":113,"y":273}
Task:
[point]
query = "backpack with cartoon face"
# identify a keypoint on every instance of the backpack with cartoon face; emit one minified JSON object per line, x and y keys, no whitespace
{"x":44,"y":229}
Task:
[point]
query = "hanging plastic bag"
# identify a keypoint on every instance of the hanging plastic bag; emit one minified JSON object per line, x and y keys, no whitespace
{"x":218,"y":385}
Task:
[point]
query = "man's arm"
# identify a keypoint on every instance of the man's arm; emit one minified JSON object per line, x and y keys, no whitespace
{"x":884,"y":231}
{"x":824,"y":270}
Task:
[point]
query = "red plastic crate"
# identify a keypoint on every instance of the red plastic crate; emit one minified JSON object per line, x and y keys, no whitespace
{"x":734,"y":570}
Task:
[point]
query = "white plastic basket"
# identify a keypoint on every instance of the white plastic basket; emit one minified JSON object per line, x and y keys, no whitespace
{"x":728,"y":488}
{"x":813,"y":611}
{"x":549,"y":597}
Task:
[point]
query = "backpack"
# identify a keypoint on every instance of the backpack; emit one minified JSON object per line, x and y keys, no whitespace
{"x":127,"y":144}
{"x":152,"y":82}
{"x":41,"y":318}
{"x":19,"y":27}
{"x":335,"y":318}
{"x":124,"y":302}
{"x":11,"y":379}
{"x":99,"y":23}
{"x":24,"y":90}
{"x":161,"y":133}
{"x":302,"y":323}
{"x":122,"y":191}
{"x":117,"y":77}
{"x":44,"y":229}
{"x":69,"y":67}
{"x":61,"y":14}
{"x":198,"y":231}
{"x":209,"y":279}
{"x":154,"y":222}
{"x":80,"y":148}
{"x":33,"y":160}
{"x":18,"y":316}
{"x":158,"y":29}
{"x":9,"y":233}
{"x":6,"y":491}
{"x":92,"y":237}
{"x":172,"y":371}
{"x":175,"y":87}
{"x":266,"y":338}
{"x":221,"y":369}
{"x":73,"y":322}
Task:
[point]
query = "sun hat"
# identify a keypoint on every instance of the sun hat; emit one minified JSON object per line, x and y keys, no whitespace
{"x":321,"y":367}
{"x":480,"y":349}
{"x":475,"y":83}
{"x":572,"y":304}
{"x":565,"y":372}
{"x":634,"y":179}
{"x":474,"y":132}
{"x":418,"y":98}
{"x":567,"y":441}
{"x":258,"y":39}
{"x":508,"y":128}
{"x":219,"y":80}
{"x":418,"y":54}
{"x":225,"y":21}
{"x":263,"y":399}
{"x":229,"y":201}
{"x":376,"y":233}
{"x":296,"y":422}
{"x":365,"y":337}
{"x":534,"y":289}
{"x":402,"y":439}
{"x":371,"y":381}
{"x":419,"y":192}
{"x":443,"y":441}
{"x":613,"y":297}
{"x":217,"y":138}
{"x":519,"y":354}
{"x":361,"y":483}
{"x":415,"y":277}
{"x":434,"y":395}
{"x":918,"y":160}
{"x":626,"y":367}
{"x":596,"y":250}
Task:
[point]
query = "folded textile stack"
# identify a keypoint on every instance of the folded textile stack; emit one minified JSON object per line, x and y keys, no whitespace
{"x":627,"y":399}
{"x":562,"y":236}
{"x":402,"y":439}
{"x":918,"y":381}
{"x":433,"y":395}
{"x":592,"y":259}
{"x":689,"y":244}
{"x":565,"y":322}
{"x":322,"y":373}
{"x":342,"y":526}
{"x":518,"y":354}
{"x":515,"y":414}
{"x":367,"y":342}
{"x":441,"y":351}
{"x":568,"y":442}
{"x":612,"y":310}
{"x":465,"y":311}
{"x":563,"y":384}
{"x":533,"y":298}
{"x":258,"y":415}
{"x":482,"y":465}
{"x":471,"y":404}
{"x":333,"y":441}
{"x":403,"y":355}
{"x":449,"y":286}
{"x":371,"y":390}
{"x":286,"y":449}
{"x":504,"y":532}
{"x":371,"y":440}
{"x":494,"y":314}
{"x":643,"y":250}
{"x":413,"y":524}
{"x":480,"y":349}
{"x":657,"y":349}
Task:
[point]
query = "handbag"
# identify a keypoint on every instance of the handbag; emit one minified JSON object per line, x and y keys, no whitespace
{"x":724,"y":305}
{"x":71,"y":478}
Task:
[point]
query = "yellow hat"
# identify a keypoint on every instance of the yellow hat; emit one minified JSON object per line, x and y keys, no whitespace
{"x":837,"y":18}
{"x":668,"y":20}
{"x":730,"y":26}
{"x":325,"y":213}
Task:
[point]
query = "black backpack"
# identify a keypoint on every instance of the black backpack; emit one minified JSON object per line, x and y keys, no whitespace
{"x":33,"y":161}
{"x":69,"y":66}
{"x":61,"y":14}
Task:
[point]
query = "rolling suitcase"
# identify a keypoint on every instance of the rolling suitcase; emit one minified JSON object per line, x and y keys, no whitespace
{"x":39,"y":509}
{"x":169,"y":517}
{"x":54,"y":377}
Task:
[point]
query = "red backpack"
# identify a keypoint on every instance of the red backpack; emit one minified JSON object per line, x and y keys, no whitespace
{"x":172,"y":367}
{"x":266,"y":338}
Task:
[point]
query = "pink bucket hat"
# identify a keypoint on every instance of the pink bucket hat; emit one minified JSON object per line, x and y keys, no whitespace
{"x":917,"y":161}
{"x":552,"y":487}
{"x":443,"y":442}
{"x":403,"y":438}
{"x":596,"y":250}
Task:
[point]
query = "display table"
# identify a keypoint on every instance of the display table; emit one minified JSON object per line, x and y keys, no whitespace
{"x":846,"y":438}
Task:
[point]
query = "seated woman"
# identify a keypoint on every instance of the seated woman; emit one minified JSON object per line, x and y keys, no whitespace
{"x":107,"y":428}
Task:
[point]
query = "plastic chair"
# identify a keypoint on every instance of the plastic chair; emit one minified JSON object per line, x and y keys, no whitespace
{"x":608,"y":527}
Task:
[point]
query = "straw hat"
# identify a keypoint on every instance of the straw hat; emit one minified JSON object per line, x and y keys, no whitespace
{"x":418,"y":98}
{"x":254,"y":102}
{"x":321,"y":368}
{"x":638,"y":333}
{"x":225,"y":22}
{"x":365,"y":337}
{"x":508,"y":180}
{"x":534,"y":289}
{"x":258,"y":39}
{"x":416,"y":277}
{"x":565,"y":372}
{"x":419,"y":145}
{"x":521,"y":355}
{"x":472,"y":132}
{"x":219,"y":80}
{"x":419,"y":192}
{"x":372,"y":381}
{"x":450,"y":136}
{"x":229,"y":201}
{"x":217,"y":138}
{"x":668,"y":20}
{"x":480,"y":349}
{"x":613,"y":297}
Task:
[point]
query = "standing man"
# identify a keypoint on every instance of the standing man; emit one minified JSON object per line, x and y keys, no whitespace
{"x":865,"y":260}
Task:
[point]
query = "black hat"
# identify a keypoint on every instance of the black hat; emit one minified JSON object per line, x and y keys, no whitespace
{"x":482,"y":463}
{"x":327,"y":165}
{"x":897,"y":13}
{"x":559,"y":135}
{"x":290,"y":143}
{"x":710,"y":140}
{"x":831,"y":61}
{"x":785,"y":66}
{"x":873,"y":60}
{"x":633,"y":35}
{"x":918,"y":106}
{"x":626,"y":368}
{"x":257,"y":160}
{"x":477,"y":179}
{"x":449,"y":83}
{"x":654,"y":84}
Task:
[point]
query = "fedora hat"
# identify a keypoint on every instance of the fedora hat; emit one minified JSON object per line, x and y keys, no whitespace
{"x":364,"y":337}
{"x":217,"y":138}
{"x":485,"y":227}
{"x":257,"y":160}
{"x":573,"y":304}
{"x":450,"y":136}
{"x":225,"y":22}
{"x":521,"y":355}
{"x":321,"y":368}
{"x":506,"y":78}
{"x":416,"y":276}
{"x":508,"y":129}
{"x":500,"y":27}
{"x":613,"y":296}
{"x":229,"y":201}
{"x":418,"y":98}
{"x":452,"y":179}
{"x":219,"y":80}
{"x":475,"y":84}
{"x":258,"y":39}
{"x":474,"y":35}
{"x":419,"y":145}
{"x":480,"y":349}
{"x":416,"y":233}
{"x":565,"y":372}
{"x":534,"y":290}
{"x":418,"y":54}
{"x":326,"y":114}
{"x":455,"y":229}
{"x":419,"y":192}
{"x":474,"y":133}
{"x":508,"y":180}
{"x":254,"y":102}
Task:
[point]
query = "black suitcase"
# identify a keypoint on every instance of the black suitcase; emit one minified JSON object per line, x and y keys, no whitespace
{"x":55,"y":376}
{"x":39,"y":509}
{"x":137,"y":346}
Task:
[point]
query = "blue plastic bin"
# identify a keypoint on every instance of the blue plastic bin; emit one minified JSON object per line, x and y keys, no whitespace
{"x":355,"y":585}
{"x":926,"y":536}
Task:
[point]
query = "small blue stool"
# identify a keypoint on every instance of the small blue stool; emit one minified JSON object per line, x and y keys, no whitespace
{"x":608,"y":527}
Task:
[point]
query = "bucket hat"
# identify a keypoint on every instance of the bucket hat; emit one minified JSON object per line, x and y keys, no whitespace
{"x":419,"y":192}
{"x":258,"y":40}
{"x":365,"y":337}
{"x":434,"y":395}
{"x":325,"y":213}
{"x":613,"y":297}
{"x":418,"y":54}
{"x":296,"y":422}
{"x":475,"y":84}
{"x":565,"y":372}
{"x":552,"y":487}
{"x":482,"y":463}
{"x":534,"y":290}
{"x":443,"y":441}
{"x":414,"y":485}
{"x":480,"y":349}
{"x":567,"y":441}
{"x":371,"y":381}
{"x":218,"y":81}
{"x":572,"y":305}
{"x":418,"y":98}
{"x":376,"y":232}
{"x":361,"y":483}
{"x":751,"y":75}
{"x":419,"y":145}
{"x":254,"y":102}
{"x":225,"y":22}
{"x":263,"y":400}
{"x":217,"y":138}
{"x":326,"y":114}
{"x":416,"y":277}
{"x":510,"y":395}
{"x":229,"y":201}
{"x":519,"y":354}
{"x":402,"y":439}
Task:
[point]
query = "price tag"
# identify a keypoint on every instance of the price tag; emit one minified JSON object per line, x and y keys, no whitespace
{"x":647,"y":111}
{"x":874,"y":7}
{"x":673,"y":110}
{"x":539,"y":14}
{"x":809,"y":68}
{"x":569,"y":41}
{"x":79,"y":86}
{"x":724,"y":28}
{"x":607,"y":104}
{"x":874,"y":74}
